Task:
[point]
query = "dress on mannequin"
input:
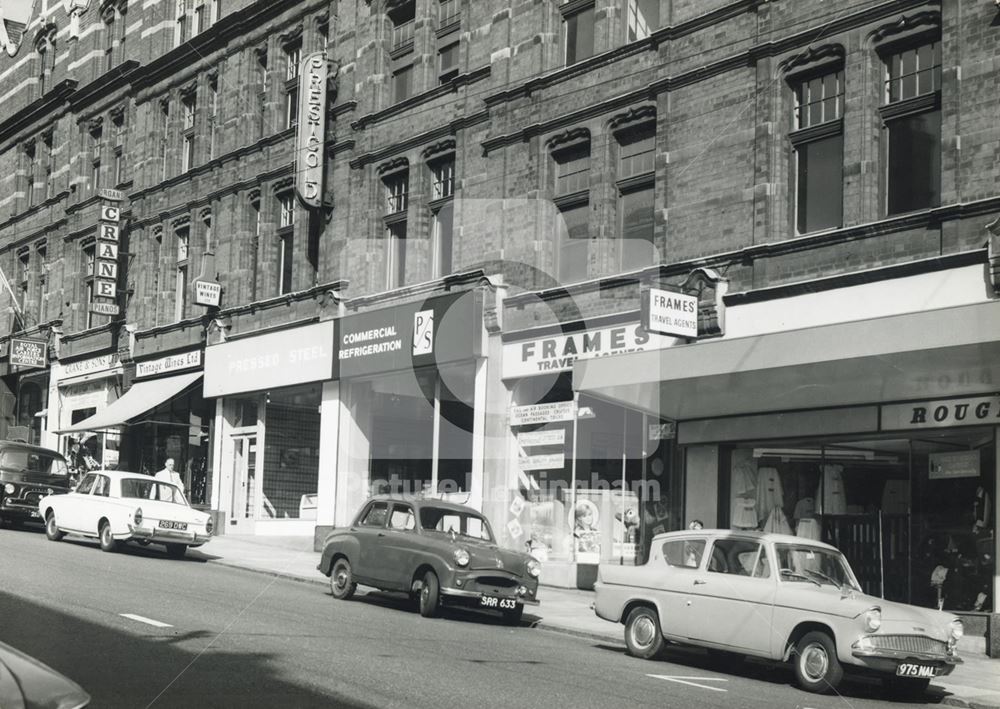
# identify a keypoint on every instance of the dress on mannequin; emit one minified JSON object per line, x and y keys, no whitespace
{"x":769,"y":492}
{"x":832,"y":499}
{"x":777,"y":523}
{"x":896,"y":497}
{"x":809,"y":528}
{"x":744,"y":513}
{"x":806,"y":507}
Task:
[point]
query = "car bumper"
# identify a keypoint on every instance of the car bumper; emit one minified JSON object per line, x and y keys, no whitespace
{"x":472,"y":597}
{"x":887,"y":660}
{"x":16,"y":510}
{"x":165,"y":536}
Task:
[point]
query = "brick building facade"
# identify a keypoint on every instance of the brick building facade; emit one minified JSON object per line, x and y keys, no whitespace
{"x":796,"y":164}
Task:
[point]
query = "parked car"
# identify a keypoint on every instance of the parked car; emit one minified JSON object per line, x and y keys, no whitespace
{"x":433,"y":550}
{"x":28,"y":473}
{"x":115,"y":507}
{"x":26,"y":682}
{"x":778,"y":597}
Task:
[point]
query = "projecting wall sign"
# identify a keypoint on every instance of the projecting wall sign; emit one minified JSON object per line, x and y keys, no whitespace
{"x":105,"y":295}
{"x":311,"y":137}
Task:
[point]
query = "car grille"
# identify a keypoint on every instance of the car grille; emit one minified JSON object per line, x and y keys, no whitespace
{"x":909,"y":643}
{"x":33,"y":496}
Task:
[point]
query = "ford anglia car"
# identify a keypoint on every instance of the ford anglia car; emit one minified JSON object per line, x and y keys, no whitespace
{"x":777,"y":597}
{"x":433,"y":550}
{"x":118,"y":507}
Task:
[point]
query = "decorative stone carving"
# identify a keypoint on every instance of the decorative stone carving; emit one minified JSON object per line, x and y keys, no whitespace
{"x":567,"y":139}
{"x":710,"y":287}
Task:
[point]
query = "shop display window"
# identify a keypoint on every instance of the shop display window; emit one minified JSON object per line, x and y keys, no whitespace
{"x":912,"y":514}
{"x":290,"y":474}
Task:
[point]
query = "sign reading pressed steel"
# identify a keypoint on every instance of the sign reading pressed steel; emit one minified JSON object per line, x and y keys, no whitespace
{"x":556,"y":353}
{"x":207,"y":293}
{"x":542,"y":413}
{"x":171,"y":363}
{"x":941,"y":413}
{"x":104,"y":300}
{"x":28,"y":353}
{"x":671,"y":313}
{"x":311,"y":137}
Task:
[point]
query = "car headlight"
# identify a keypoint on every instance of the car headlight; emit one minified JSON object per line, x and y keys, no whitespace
{"x":955,"y":631}
{"x":534,"y":568}
{"x":873,"y":619}
{"x":209,"y":526}
{"x":137,"y":517}
{"x":9,"y":489}
{"x":461,"y":557}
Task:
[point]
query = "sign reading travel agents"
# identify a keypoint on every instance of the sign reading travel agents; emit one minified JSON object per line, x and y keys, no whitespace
{"x":311,"y":137}
{"x":556,"y":353}
{"x":29,"y":353}
{"x":671,"y":313}
{"x":941,"y":413}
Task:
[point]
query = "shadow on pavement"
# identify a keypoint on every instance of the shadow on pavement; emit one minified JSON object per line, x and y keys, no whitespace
{"x":402,"y":603}
{"x":145,"y":666}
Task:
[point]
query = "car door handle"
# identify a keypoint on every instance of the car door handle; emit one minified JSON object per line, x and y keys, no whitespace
{"x":699,"y":582}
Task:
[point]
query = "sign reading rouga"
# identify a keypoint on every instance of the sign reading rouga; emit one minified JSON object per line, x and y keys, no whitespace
{"x":28,"y":353}
{"x":446,"y":328}
{"x":670,"y":313}
{"x":170,"y":363}
{"x":275,"y":359}
{"x":941,"y":413}
{"x":311,"y":137}
{"x":556,"y":353}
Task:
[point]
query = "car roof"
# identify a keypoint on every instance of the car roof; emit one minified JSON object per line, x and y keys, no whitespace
{"x":419,"y":502}
{"x":30,"y":447}
{"x":122,"y":474}
{"x":745,"y":534}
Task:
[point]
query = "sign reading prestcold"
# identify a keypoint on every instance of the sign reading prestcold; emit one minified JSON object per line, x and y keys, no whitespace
{"x":311,"y":137}
{"x":28,"y":353}
{"x":671,"y":313}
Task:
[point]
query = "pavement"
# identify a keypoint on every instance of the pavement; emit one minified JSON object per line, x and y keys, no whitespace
{"x":975,"y":684}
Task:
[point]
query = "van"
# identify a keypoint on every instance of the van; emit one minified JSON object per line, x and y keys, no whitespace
{"x":28,"y":473}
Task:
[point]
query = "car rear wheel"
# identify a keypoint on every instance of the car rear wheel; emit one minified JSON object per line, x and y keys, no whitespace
{"x":512,"y":616}
{"x":176,"y":551}
{"x":905,"y":688}
{"x":52,"y":530}
{"x":342,"y":585}
{"x":108,"y":542}
{"x":642,"y":633}
{"x":430,"y":595}
{"x":817,"y":668}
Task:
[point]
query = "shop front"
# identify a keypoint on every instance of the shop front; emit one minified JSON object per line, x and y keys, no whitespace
{"x":83,"y":389}
{"x":24,"y":388}
{"x":592,"y":480}
{"x":412,"y":402}
{"x":274,"y":434}
{"x":878,"y":436}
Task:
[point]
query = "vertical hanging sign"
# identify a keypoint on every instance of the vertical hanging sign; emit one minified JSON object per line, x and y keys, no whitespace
{"x":311,"y":136}
{"x":105,"y":298}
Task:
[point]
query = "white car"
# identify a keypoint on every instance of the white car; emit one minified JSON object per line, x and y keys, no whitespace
{"x":115,"y":507}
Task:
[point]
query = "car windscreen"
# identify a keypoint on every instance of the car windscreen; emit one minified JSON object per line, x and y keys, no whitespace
{"x":34,"y":462}
{"x":465,"y":524}
{"x":801,"y":563}
{"x":138,"y":489}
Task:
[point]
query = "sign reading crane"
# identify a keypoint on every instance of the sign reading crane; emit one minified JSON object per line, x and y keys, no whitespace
{"x":105,"y":295}
{"x":310,"y":140}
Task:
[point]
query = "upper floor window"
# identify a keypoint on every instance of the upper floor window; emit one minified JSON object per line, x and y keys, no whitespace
{"x":286,"y":236}
{"x":45,"y":47}
{"x":181,"y":272}
{"x":88,"y":257}
{"x":286,"y":217}
{"x":181,"y":32}
{"x":118,"y":124}
{"x":443,"y":178}
{"x":48,"y":145}
{"x":293,"y":58}
{"x":164,"y":136}
{"x":24,"y":276}
{"x":402,"y":83}
{"x":29,"y":169}
{"x":201,"y":18}
{"x":442,"y":215}
{"x":187,"y":152}
{"x":448,"y":62}
{"x":96,"y":146}
{"x":449,"y":12}
{"x":403,"y":21}
{"x":213,"y":114}
{"x":643,"y":18}
{"x":912,"y":117}
{"x":578,"y":31}
{"x":397,"y":187}
{"x":109,"y":40}
{"x":572,"y":187}
{"x":818,"y":141}
{"x":261,"y":70}
{"x":573,"y":169}
{"x":636,"y":182}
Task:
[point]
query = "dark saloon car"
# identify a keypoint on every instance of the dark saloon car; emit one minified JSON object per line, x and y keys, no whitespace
{"x":27,"y":474}
{"x":435,"y":551}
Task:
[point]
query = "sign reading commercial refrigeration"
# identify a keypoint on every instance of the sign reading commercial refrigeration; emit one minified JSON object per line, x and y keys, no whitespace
{"x":542,"y":413}
{"x":556,"y":353}
{"x":28,"y":353}
{"x":670,"y":313}
{"x":311,"y":137}
{"x":171,"y":363}
{"x":941,"y":413}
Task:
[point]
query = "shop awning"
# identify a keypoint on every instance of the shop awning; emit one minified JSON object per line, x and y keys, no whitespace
{"x":142,"y":397}
{"x":931,"y":354}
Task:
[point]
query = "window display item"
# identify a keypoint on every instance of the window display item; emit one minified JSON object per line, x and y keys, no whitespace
{"x":777,"y":522}
{"x":981,"y":511}
{"x":833,"y":499}
{"x":809,"y":528}
{"x":769,"y":492}
{"x":744,"y":480}
{"x":744,"y":513}
{"x":806,"y":507}
{"x":896,"y":497}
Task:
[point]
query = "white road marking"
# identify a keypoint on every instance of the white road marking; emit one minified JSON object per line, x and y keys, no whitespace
{"x":147,"y":621}
{"x":686,"y":680}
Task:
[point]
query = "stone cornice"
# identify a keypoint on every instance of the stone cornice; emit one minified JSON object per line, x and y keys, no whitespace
{"x":447,"y":284}
{"x":107,"y":83}
{"x":448,"y":129}
{"x":44,"y":107}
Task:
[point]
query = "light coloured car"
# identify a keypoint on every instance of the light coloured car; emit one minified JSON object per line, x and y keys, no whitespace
{"x":778,"y":597}
{"x":116,"y":507}
{"x":28,"y":683}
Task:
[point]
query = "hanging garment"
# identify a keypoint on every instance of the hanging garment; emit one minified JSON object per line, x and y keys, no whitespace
{"x":809,"y":528}
{"x":981,"y":509}
{"x":744,"y":479}
{"x":777,"y":523}
{"x":744,"y":513}
{"x":769,"y":493}
{"x":805,"y":507}
{"x":896,"y":497}
{"x":832,"y":498}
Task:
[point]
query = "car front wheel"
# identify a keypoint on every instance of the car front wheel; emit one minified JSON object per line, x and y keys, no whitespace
{"x":817,"y":668}
{"x":642,"y":633}
{"x":108,"y":542}
{"x":430,"y":595}
{"x":342,"y":585}
{"x":52,"y":530}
